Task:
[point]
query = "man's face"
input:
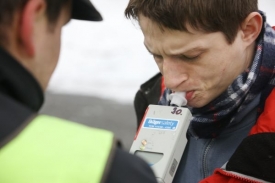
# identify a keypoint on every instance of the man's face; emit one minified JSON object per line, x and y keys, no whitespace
{"x":201,"y":64}
{"x":47,"y":46}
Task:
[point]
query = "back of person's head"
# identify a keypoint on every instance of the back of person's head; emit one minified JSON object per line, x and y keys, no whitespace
{"x":8,"y":9}
{"x":30,"y":31}
{"x":204,"y":15}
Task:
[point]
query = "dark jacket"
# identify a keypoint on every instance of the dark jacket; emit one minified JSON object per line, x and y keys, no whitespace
{"x":21,"y":98}
{"x":149,"y":93}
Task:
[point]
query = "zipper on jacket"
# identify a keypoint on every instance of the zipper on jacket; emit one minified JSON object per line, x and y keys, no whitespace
{"x":204,"y":161}
{"x":240,"y":177}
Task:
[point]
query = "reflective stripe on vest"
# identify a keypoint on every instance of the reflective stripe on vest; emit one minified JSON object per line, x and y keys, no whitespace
{"x":52,"y":150}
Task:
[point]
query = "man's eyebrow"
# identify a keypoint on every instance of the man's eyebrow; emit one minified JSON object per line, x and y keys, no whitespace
{"x":199,"y":48}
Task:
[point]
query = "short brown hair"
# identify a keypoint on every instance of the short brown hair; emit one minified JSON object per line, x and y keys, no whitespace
{"x":9,"y":7}
{"x":205,"y":15}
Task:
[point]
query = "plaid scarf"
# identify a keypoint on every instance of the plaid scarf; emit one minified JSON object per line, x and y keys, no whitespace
{"x":210,"y":120}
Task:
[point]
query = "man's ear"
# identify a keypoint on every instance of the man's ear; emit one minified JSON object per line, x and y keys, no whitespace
{"x":251,"y":27}
{"x":30,"y":13}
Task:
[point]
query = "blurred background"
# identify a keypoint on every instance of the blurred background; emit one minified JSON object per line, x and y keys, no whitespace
{"x":102,"y":65}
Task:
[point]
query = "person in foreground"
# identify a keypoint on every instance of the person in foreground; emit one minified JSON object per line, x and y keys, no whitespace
{"x":37,"y":148}
{"x":222,"y":54}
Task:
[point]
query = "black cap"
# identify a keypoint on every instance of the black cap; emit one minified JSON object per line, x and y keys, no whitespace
{"x":84,"y":10}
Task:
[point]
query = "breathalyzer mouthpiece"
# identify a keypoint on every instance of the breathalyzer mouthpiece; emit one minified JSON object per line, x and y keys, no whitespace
{"x":178,"y":99}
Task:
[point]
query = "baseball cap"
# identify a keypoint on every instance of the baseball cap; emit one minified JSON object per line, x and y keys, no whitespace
{"x":84,"y":10}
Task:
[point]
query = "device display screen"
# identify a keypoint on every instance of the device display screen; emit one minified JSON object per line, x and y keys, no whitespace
{"x":150,"y":157}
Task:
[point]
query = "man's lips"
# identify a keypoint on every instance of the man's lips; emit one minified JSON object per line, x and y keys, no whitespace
{"x":189,"y":95}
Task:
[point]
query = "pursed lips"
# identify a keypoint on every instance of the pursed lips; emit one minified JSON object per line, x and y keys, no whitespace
{"x":189,"y":95}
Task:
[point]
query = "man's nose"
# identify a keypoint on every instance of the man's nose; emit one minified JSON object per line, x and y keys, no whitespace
{"x":174,"y":75}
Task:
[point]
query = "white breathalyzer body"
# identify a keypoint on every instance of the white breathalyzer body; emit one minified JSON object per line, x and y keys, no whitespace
{"x":161,"y":138}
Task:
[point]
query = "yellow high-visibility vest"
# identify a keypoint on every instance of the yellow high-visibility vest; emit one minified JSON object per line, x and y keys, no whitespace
{"x":52,"y":150}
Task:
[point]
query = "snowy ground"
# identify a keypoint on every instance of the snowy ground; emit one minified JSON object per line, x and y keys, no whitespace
{"x":107,"y":59}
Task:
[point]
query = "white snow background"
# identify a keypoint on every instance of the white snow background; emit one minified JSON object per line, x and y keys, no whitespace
{"x":107,"y":59}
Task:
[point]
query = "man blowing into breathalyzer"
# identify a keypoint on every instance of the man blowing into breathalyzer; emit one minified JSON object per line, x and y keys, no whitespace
{"x":222,"y":54}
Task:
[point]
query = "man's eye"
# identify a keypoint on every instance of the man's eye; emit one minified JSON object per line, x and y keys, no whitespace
{"x":189,"y":58}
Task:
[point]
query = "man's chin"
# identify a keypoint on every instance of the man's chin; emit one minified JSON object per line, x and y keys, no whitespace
{"x":196,"y":104}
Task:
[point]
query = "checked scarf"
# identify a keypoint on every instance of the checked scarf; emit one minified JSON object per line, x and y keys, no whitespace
{"x":210,"y":120}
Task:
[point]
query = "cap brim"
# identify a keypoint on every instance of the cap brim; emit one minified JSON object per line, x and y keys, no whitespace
{"x":84,"y":10}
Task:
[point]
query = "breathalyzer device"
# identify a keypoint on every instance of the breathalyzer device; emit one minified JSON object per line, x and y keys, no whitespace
{"x":161,"y":137}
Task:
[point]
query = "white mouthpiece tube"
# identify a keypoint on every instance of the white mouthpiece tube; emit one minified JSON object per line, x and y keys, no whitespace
{"x":178,"y":99}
